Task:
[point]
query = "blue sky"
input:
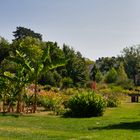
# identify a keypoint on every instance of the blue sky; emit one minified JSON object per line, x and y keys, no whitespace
{"x":96,"y":28}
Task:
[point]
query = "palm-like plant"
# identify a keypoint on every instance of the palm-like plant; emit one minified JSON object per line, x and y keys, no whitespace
{"x":32,"y":65}
{"x":43,"y":65}
{"x":17,"y":82}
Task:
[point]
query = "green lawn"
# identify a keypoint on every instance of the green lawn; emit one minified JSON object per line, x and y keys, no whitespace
{"x":121,"y":123}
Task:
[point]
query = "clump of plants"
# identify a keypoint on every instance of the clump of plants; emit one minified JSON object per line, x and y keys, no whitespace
{"x":51,"y":101}
{"x":113,"y":101}
{"x":113,"y":96}
{"x":69,"y":91}
{"x":85,"y":104}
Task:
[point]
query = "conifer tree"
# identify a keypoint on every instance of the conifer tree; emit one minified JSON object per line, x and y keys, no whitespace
{"x":122,"y":76}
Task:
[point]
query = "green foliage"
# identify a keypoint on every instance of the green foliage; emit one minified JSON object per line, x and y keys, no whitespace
{"x":111,"y":76}
{"x":39,"y":60}
{"x":129,"y":84}
{"x":122,"y":76}
{"x":56,"y":58}
{"x":131,"y":57}
{"x":76,"y":67}
{"x":99,"y":76}
{"x":48,"y":103}
{"x":113,"y":95}
{"x":96,"y":74}
{"x":89,"y":62}
{"x":30,"y":47}
{"x":112,"y":101}
{"x":55,"y":51}
{"x":70,"y":91}
{"x":4,"y":49}
{"x":11,"y":89}
{"x":94,"y":71}
{"x":50,"y":78}
{"x":106,"y":63}
{"x":67,"y":82}
{"x":30,"y":60}
{"x":22,"y":32}
{"x":51,"y":101}
{"x":86,"y":104}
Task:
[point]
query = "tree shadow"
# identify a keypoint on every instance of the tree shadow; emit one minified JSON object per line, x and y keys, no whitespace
{"x":10,"y":114}
{"x":121,"y":125}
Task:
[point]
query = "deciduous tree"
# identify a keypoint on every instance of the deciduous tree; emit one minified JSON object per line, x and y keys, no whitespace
{"x":131,"y":57}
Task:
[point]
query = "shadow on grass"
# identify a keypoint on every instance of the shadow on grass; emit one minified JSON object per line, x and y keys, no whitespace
{"x":122,"y":125}
{"x":10,"y":114}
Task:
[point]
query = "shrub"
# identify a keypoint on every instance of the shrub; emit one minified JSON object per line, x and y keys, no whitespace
{"x":73,"y":91}
{"x":113,"y":95}
{"x":51,"y":101}
{"x":113,"y":101}
{"x":101,"y":86}
{"x":67,"y":82}
{"x":128,"y":84}
{"x":69,"y":91}
{"x":86,"y":104}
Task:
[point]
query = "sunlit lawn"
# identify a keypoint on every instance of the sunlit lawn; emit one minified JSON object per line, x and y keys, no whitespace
{"x":121,"y":123}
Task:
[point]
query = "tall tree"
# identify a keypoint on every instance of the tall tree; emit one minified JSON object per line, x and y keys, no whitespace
{"x":111,"y":76}
{"x":76,"y":67}
{"x":131,"y":57}
{"x":53,"y":77}
{"x":106,"y":63}
{"x":4,"y":49}
{"x":94,"y":71}
{"x":122,"y":76}
{"x":99,"y":76}
{"x":22,"y":32}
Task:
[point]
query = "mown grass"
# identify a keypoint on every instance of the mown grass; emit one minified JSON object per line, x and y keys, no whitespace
{"x":122,"y":123}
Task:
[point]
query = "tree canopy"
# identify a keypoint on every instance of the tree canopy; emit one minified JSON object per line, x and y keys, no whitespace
{"x":22,"y":32}
{"x":4,"y":49}
{"x":131,"y":57}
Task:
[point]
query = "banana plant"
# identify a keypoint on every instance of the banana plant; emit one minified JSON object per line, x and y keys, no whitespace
{"x":3,"y":87}
{"x":44,"y":65}
{"x":17,"y":82}
{"x":34,"y":69}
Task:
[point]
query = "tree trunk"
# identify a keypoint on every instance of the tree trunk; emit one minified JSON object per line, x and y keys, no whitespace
{"x":19,"y":104}
{"x":4,"y":102}
{"x":35,"y":98}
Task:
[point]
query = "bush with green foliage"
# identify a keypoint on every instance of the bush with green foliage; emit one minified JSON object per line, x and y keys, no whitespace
{"x":112,"y":101}
{"x":113,"y":95}
{"x":67,"y":82}
{"x":69,"y":91}
{"x":111,"y":76}
{"x":86,"y":104}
